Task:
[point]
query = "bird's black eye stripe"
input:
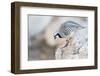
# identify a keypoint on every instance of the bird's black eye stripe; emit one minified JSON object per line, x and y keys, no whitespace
{"x":57,"y":35}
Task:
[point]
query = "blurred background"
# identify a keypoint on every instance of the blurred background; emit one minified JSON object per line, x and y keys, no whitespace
{"x":41,"y":30}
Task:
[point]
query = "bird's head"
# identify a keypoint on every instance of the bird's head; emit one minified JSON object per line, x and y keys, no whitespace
{"x":67,"y":28}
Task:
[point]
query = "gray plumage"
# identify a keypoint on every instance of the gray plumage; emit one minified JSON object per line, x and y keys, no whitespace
{"x":68,"y":27}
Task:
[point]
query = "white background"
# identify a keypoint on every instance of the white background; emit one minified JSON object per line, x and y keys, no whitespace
{"x":5,"y":42}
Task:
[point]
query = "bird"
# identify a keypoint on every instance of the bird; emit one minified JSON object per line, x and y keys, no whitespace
{"x":71,"y":47}
{"x":68,"y":27}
